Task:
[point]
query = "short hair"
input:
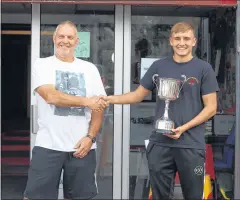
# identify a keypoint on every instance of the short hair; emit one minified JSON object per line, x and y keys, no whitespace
{"x":65,"y":23}
{"x":182,"y":27}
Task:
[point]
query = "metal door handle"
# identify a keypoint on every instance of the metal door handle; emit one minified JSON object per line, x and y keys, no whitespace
{"x":34,"y":119}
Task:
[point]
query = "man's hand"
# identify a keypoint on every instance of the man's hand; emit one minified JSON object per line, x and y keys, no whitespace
{"x":83,"y":147}
{"x":97,"y":103}
{"x":107,"y":99}
{"x":178,"y":132}
{"x":128,"y":98}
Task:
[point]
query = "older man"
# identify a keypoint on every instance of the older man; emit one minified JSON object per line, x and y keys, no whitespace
{"x":70,"y":116}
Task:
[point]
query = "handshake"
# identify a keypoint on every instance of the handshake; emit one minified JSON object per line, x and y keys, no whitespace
{"x":98,"y":103}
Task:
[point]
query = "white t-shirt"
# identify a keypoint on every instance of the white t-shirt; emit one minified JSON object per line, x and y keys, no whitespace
{"x":60,"y":128}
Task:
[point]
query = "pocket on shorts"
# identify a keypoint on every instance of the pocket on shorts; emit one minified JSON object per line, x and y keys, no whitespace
{"x":201,"y":153}
{"x":149,"y":148}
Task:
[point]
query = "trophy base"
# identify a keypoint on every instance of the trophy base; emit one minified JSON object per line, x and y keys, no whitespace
{"x":168,"y":132}
{"x":164,"y":126}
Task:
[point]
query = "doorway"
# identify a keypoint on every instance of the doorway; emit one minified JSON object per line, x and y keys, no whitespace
{"x":15,"y":132}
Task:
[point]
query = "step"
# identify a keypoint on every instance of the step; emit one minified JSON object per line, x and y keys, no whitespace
{"x":15,"y":170}
{"x":15,"y":161}
{"x":16,"y":138}
{"x":15,"y":142}
{"x":10,"y":173}
{"x":18,"y":133}
{"x":18,"y":154}
{"x":15,"y":148}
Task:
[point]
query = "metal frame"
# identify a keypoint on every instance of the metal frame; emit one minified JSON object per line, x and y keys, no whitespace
{"x":205,"y":47}
{"x":118,"y":78}
{"x":35,"y":53}
{"x":237,"y":133}
{"x":126,"y":108}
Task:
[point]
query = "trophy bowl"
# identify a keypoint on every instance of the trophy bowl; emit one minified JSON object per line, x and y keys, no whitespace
{"x":168,"y":89}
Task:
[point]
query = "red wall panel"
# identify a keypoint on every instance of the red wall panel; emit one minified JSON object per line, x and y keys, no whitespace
{"x":139,"y":2}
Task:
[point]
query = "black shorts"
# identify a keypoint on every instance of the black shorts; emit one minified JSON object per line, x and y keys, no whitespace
{"x":44,"y":175}
{"x":164,"y":162}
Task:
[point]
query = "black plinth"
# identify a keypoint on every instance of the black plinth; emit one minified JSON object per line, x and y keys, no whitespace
{"x":161,"y":131}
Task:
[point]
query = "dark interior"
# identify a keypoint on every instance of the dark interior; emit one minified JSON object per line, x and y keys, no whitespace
{"x":14,"y":77}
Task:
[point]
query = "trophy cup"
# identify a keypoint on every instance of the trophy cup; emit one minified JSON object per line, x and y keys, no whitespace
{"x":168,"y":89}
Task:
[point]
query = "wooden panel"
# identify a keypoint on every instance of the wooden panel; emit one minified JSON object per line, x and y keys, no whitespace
{"x":132,"y":2}
{"x":19,"y":32}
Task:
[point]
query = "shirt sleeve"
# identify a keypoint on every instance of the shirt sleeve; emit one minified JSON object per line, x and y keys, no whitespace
{"x":209,"y":82}
{"x":97,"y":84}
{"x":147,"y":80}
{"x":41,"y":75}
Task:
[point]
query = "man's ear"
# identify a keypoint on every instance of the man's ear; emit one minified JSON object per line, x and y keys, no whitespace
{"x":195,"y":42}
{"x":77,"y":41}
{"x":53,"y":38}
{"x":170,"y":41}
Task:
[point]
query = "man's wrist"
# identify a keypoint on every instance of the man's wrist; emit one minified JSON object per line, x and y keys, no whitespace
{"x":185,"y":127}
{"x":85,"y":101}
{"x":111,"y":99}
{"x":91,"y":137}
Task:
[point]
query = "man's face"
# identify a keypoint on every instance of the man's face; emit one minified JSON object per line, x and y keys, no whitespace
{"x":65,"y":41}
{"x":183,"y":43}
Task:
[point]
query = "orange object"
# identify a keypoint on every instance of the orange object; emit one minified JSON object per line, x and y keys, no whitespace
{"x":207,"y":192}
{"x":150,"y":194}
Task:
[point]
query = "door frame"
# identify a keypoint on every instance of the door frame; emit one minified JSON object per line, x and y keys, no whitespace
{"x":126,"y":108}
{"x":118,"y":89}
{"x":237,"y":131}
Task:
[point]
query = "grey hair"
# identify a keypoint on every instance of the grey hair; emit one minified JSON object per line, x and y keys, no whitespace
{"x":65,"y":23}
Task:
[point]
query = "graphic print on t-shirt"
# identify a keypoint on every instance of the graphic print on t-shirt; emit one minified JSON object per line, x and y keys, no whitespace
{"x":73,"y":84}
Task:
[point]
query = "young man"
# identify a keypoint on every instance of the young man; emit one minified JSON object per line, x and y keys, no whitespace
{"x":185,"y":151}
{"x":69,"y":117}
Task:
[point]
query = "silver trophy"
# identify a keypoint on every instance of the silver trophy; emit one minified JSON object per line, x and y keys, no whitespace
{"x":168,"y":89}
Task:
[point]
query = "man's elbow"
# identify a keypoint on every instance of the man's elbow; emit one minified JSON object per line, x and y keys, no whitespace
{"x":213,"y":109}
{"x":51,"y":99}
{"x":48,"y":94}
{"x":137,"y":98}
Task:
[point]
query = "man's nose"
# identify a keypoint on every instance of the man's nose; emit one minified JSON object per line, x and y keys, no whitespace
{"x":65,"y":40}
{"x":182,"y":42}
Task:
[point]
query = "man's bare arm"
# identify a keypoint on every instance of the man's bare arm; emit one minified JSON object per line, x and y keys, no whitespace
{"x":129,"y":98}
{"x":84,"y":144}
{"x":96,"y":122}
{"x":210,"y":109}
{"x":58,"y":98}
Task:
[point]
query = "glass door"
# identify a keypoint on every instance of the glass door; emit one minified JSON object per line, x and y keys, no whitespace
{"x":101,"y":32}
{"x":146,"y":38}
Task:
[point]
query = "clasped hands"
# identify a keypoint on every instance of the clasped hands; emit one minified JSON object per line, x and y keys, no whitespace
{"x":98,"y":103}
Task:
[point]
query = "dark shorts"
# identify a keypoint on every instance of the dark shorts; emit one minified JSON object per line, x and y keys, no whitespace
{"x":45,"y":172}
{"x":164,"y":162}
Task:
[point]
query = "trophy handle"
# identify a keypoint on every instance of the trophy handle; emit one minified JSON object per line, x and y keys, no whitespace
{"x":154,"y":80}
{"x":183,"y":82}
